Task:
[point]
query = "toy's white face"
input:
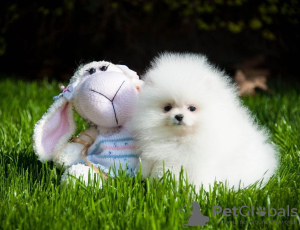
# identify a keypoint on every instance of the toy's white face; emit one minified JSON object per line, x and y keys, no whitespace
{"x":105,"y":96}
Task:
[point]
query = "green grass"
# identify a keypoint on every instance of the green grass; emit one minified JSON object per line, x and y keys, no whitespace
{"x":31,"y":196}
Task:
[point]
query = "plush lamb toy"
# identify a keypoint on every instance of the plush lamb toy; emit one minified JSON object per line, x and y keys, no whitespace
{"x":104,"y":95}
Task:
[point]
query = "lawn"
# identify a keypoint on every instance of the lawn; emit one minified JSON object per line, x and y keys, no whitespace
{"x":31,"y":196}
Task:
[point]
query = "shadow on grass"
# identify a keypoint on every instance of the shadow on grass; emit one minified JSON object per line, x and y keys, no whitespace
{"x":25,"y":164}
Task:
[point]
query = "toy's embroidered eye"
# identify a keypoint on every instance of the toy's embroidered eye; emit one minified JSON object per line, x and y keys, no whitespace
{"x":192,"y":108}
{"x":104,"y":68}
{"x":91,"y":71}
{"x":167,"y":108}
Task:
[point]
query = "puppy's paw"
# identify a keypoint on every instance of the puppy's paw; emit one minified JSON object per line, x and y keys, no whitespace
{"x":158,"y":171}
{"x":146,"y":167}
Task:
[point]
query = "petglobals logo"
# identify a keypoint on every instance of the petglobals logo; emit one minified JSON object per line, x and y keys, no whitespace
{"x":251,"y":211}
{"x":196,"y":218}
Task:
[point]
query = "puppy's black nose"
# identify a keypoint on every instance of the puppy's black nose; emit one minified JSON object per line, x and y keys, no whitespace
{"x":179,"y":117}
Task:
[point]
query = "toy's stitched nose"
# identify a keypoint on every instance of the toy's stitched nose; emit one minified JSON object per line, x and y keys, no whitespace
{"x":179,"y":117}
{"x":111,"y":100}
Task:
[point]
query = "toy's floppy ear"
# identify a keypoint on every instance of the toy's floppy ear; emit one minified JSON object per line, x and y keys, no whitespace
{"x":130,"y":73}
{"x":54,"y":129}
{"x":133,"y":76}
{"x":138,"y":84}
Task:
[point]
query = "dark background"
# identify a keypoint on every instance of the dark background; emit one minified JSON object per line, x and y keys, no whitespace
{"x":50,"y":39}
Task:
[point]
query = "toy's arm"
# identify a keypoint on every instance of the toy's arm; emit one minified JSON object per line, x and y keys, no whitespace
{"x":70,"y":153}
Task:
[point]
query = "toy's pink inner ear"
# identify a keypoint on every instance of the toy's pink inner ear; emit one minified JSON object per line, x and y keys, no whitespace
{"x":55,"y":128}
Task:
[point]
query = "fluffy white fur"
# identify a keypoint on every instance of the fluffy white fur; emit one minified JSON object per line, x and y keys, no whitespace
{"x":218,"y":141}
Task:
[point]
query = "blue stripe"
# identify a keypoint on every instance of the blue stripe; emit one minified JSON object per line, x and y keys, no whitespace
{"x":96,"y":149}
{"x":117,"y":140}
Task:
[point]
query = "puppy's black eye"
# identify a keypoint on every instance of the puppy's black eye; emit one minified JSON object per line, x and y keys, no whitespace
{"x":192,"y":108}
{"x":167,"y":108}
{"x":103,"y":68}
{"x":91,"y":70}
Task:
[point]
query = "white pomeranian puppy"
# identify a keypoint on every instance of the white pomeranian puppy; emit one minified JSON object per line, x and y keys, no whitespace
{"x":189,"y":115}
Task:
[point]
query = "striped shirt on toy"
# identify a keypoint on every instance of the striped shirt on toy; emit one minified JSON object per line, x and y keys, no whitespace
{"x":115,"y":150}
